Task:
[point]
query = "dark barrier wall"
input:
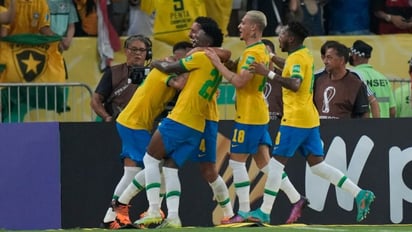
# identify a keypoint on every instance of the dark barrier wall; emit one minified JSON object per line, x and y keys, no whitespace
{"x":91,"y":169}
{"x":375,"y":153}
{"x":30,"y":176}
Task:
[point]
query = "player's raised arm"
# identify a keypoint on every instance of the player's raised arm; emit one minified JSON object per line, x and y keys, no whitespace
{"x":289,"y":83}
{"x":237,"y":80}
{"x":223,"y":53}
{"x":168,"y":67}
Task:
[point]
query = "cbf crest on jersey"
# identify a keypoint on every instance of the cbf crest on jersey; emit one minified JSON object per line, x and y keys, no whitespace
{"x":31,"y":58}
{"x":296,"y":68}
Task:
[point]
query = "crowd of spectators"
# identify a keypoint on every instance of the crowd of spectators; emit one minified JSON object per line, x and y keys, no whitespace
{"x":69,"y":18}
{"x":337,"y":17}
{"x":321,"y":17}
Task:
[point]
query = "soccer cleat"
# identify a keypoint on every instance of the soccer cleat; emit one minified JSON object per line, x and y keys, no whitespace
{"x":145,"y":213}
{"x":259,"y":216}
{"x":149,"y":219}
{"x":230,"y":220}
{"x":296,"y":212}
{"x":170,"y":223}
{"x":122,"y":213}
{"x":243,"y":214}
{"x":363,"y":201}
{"x":114,"y":225}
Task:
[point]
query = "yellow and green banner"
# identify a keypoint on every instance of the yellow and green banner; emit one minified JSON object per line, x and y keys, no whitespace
{"x":31,"y":58}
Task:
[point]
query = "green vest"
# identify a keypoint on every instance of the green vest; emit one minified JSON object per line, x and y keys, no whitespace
{"x":379,"y":85}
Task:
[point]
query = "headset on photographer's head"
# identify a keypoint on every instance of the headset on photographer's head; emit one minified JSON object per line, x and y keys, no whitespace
{"x":143,"y":39}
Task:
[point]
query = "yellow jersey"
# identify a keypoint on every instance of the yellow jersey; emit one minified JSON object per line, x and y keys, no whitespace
{"x":31,"y":16}
{"x":148,"y":102}
{"x":192,"y":106}
{"x":298,"y":107}
{"x":251,"y":107}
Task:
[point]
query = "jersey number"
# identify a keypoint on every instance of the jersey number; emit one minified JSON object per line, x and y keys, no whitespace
{"x":178,"y":5}
{"x":202,"y":146}
{"x":238,"y":136}
{"x":209,"y":87}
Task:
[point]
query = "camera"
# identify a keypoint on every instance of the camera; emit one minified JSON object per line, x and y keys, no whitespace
{"x":138,"y":74}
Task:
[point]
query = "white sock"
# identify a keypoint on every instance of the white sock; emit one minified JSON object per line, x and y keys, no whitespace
{"x":152,"y":178}
{"x":221,"y":194}
{"x":137,"y":185}
{"x":336,"y":177}
{"x":265,"y":169}
{"x":128,"y":174}
{"x":272,"y":185}
{"x":173,"y":189}
{"x":242,"y":184}
{"x":162,"y":188}
{"x":287,"y":187}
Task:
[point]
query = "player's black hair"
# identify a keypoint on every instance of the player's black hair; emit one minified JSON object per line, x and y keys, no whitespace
{"x":298,"y":31}
{"x":211,"y":29}
{"x":214,"y":33}
{"x":206,"y":20}
{"x":269,"y":43}
{"x":182,"y":45}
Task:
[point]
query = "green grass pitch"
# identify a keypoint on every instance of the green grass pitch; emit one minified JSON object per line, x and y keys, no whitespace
{"x":281,"y":228}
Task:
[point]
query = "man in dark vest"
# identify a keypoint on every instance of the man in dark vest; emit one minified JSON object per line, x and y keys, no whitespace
{"x":119,"y":82}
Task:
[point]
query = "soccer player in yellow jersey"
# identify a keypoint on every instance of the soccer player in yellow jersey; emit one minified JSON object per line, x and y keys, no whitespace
{"x":299,"y":128}
{"x":135,"y":124}
{"x":178,"y":136}
{"x":32,"y":16}
{"x":250,"y":133}
{"x":206,"y":155}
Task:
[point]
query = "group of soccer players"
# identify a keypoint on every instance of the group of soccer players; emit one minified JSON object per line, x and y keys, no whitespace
{"x":191,"y":126}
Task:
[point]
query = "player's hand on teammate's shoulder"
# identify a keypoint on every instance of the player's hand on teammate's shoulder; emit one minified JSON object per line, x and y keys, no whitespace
{"x":232,"y":64}
{"x":212,"y":56}
{"x":196,"y":49}
{"x":258,"y":68}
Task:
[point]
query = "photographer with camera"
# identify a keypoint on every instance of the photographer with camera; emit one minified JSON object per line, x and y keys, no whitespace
{"x":119,"y":82}
{"x":134,"y":125}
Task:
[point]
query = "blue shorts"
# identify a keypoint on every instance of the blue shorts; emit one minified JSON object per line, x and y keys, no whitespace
{"x":246,"y":138}
{"x":180,"y":141}
{"x":207,"y":148}
{"x":134,"y":143}
{"x":291,"y":139}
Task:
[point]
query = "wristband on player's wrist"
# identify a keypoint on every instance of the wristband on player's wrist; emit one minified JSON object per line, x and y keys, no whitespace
{"x":271,"y":75}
